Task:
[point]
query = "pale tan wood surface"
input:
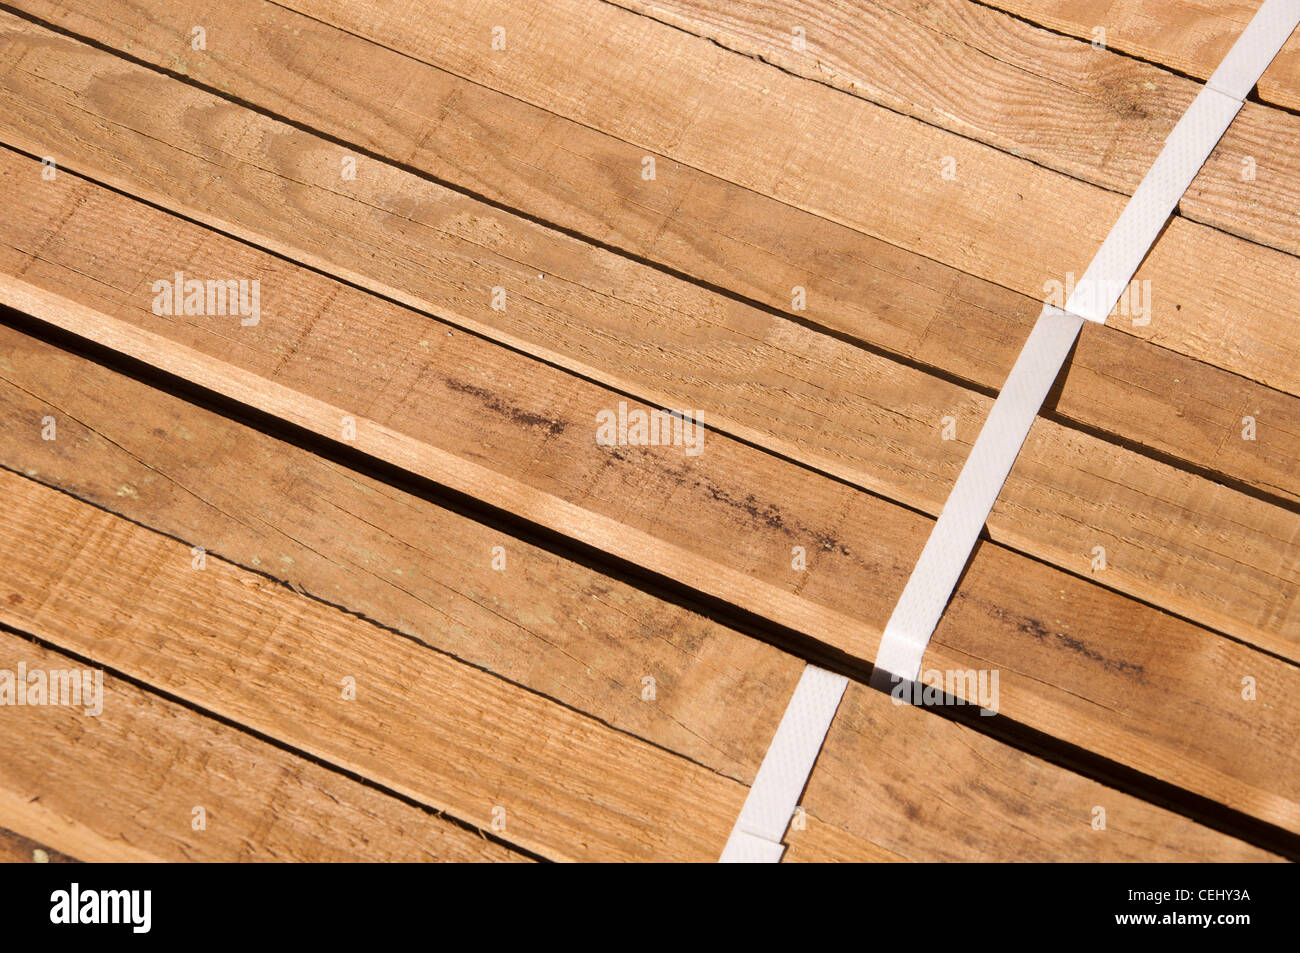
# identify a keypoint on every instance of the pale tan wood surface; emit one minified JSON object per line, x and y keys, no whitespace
{"x":81,"y":257}
{"x":966,"y":790}
{"x":1090,"y":113}
{"x":1191,"y":36}
{"x":1003,"y":218}
{"x":452,"y":737}
{"x":1077,"y":670}
{"x":244,"y":647}
{"x":846,"y":411}
{"x":17,"y":849}
{"x":123,"y":785}
{"x":724,"y":235}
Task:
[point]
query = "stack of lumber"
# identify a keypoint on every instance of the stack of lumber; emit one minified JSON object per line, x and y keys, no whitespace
{"x":363,"y":580}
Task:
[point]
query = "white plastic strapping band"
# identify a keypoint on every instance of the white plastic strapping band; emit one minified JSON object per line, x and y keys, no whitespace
{"x":954,"y":534}
{"x":1264,"y":36}
{"x":757,"y":834}
{"x":1185,"y":150}
{"x":1131,"y":237}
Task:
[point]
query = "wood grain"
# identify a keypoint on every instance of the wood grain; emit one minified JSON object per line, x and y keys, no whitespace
{"x":966,"y":793}
{"x":1191,"y":36}
{"x":1205,"y":551}
{"x":850,"y":161}
{"x":454,"y":738}
{"x":726,"y":236}
{"x":389,"y":439}
{"x":198,"y":638}
{"x":123,"y":786}
{"x":543,"y":621}
{"x":17,"y":849}
{"x":1092,"y":668}
{"x":822,"y":843}
{"x":1091,"y":114}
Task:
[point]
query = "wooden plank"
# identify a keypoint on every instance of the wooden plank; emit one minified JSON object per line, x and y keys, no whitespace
{"x":1079,"y":663}
{"x":123,"y":785}
{"x":966,"y":793}
{"x":555,"y":626}
{"x":848,"y":160}
{"x":1091,"y":114}
{"x":17,"y":849}
{"x":725,"y":235}
{"x":422,"y":724}
{"x":1191,"y":36}
{"x":1205,"y":551}
{"x":77,"y":565}
{"x":878,"y":700}
{"x":820,"y":843}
